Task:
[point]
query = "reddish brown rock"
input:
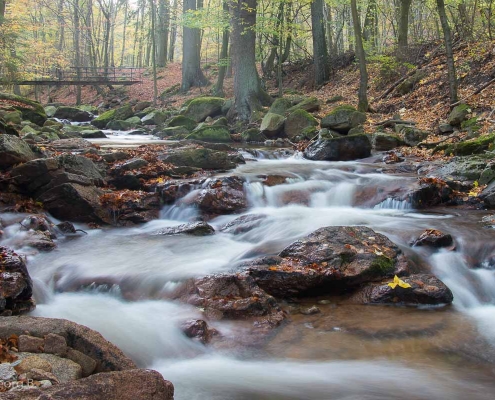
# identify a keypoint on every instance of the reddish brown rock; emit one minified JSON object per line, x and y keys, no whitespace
{"x":434,"y":238}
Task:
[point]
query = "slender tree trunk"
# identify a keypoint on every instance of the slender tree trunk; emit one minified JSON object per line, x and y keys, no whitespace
{"x":153,"y":52}
{"x":320,"y":51}
{"x":77,"y":49}
{"x":370,"y":29}
{"x":363,"y":104}
{"x":191,"y":68}
{"x":405,"y":6}
{"x":224,"y":53}
{"x":449,"y":50}
{"x":249,"y":96}
{"x":124,"y":33}
{"x":173,"y":33}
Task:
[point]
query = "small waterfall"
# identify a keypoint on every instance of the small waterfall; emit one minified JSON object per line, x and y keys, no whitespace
{"x":179,"y":213}
{"x":394,"y":204}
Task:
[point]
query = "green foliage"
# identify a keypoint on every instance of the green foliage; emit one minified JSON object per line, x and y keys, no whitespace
{"x":390,"y":68}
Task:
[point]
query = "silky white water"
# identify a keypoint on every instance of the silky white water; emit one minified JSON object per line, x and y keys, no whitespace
{"x":315,"y":195}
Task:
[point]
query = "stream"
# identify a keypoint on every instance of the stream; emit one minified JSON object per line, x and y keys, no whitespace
{"x":347,"y":351}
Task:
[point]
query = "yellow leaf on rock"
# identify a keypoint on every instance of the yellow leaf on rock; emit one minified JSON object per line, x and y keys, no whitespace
{"x":398,"y":282}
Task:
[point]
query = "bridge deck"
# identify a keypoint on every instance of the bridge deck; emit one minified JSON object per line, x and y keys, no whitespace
{"x":79,"y":76}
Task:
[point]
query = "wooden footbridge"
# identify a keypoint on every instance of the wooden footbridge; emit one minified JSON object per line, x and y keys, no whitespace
{"x":78,"y":76}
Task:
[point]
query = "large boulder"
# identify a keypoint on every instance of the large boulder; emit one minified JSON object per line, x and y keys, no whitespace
{"x":103,"y":119}
{"x":253,"y":135}
{"x":343,"y":118}
{"x":74,"y":202}
{"x":272,"y":124}
{"x":124,"y":112}
{"x":383,"y":141}
{"x":181,"y":120}
{"x":80,"y":165}
{"x":330,"y":260}
{"x":458,"y":115}
{"x":280,"y":106}
{"x":343,"y":148}
{"x":31,"y":110}
{"x":72,"y":114}
{"x":16,"y":287}
{"x":309,"y":104}
{"x":154,"y":118}
{"x":14,"y":150}
{"x":119,"y":125}
{"x":413,"y":136}
{"x":7,"y":129}
{"x":215,"y":134}
{"x":298,"y":122}
{"x":202,"y":107}
{"x":488,"y":196}
{"x":200,"y":158}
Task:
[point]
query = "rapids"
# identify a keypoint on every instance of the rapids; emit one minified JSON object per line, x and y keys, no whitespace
{"x":346,"y":352}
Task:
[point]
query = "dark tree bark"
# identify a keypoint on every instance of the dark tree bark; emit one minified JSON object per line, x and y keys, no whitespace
{"x":320,"y":50}
{"x":249,"y":96}
{"x":449,"y":50}
{"x":162,"y":31}
{"x":370,"y":29}
{"x":224,"y":53}
{"x":191,"y":68}
{"x":405,"y":6}
{"x":363,"y":104}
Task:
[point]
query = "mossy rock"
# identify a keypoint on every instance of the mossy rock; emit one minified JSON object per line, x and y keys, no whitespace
{"x":124,"y":112}
{"x":53,"y":123}
{"x":26,"y":130}
{"x":201,"y":158}
{"x":6,"y":129}
{"x":253,"y":135}
{"x":181,"y":120}
{"x":414,"y":136}
{"x":178,"y":132}
{"x":14,"y":150}
{"x":309,"y":104}
{"x":155,"y":118}
{"x":458,"y":114}
{"x":216,"y":134}
{"x":50,"y":136}
{"x":13,"y":117}
{"x":280,"y":106}
{"x":297,"y":122}
{"x":30,"y":110}
{"x":50,"y":111}
{"x":474,"y":146}
{"x":343,"y":118}
{"x":335,"y":99}
{"x":134,"y":121}
{"x":93,"y":134}
{"x":102,"y":120}
{"x":221,"y":122}
{"x":272,"y":125}
{"x":384,"y":141}
{"x":203,"y":107}
{"x":410,"y":83}
{"x":382,"y":266}
{"x":119,"y":125}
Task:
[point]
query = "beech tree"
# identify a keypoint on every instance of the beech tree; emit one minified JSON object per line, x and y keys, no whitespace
{"x":320,"y":51}
{"x":248,"y":93}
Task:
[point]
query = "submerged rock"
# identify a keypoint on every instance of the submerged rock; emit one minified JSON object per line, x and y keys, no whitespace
{"x":425,"y":290}
{"x":194,"y":228}
{"x":198,"y":330}
{"x":434,"y":238}
{"x":244,"y":224}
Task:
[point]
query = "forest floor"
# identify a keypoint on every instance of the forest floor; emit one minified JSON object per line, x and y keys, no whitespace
{"x":427,"y":104}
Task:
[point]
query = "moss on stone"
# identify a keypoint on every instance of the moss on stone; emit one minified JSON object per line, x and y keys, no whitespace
{"x":216,"y":134}
{"x":474,"y":146}
{"x":382,"y":266}
{"x":103,"y":119}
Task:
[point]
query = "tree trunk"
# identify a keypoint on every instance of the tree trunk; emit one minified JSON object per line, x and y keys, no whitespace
{"x":191,"y":67}
{"x":124,"y":33}
{"x":173,"y":33}
{"x":162,"y":34}
{"x":249,"y":96}
{"x":405,"y":6}
{"x":77,"y":49}
{"x":363,"y":104}
{"x":370,"y":30}
{"x":224,"y":54}
{"x":153,"y":52}
{"x":320,"y":51}
{"x":448,"y":49}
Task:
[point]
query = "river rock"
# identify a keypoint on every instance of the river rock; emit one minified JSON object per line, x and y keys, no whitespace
{"x":309,"y":104}
{"x":183,"y":121}
{"x":132,"y":384}
{"x":198,"y":330}
{"x":16,"y":287}
{"x":55,"y":344}
{"x":200,"y":158}
{"x":31,"y":110}
{"x":72,"y":114}
{"x":280,"y":106}
{"x":14,"y":150}
{"x":64,"y":369}
{"x":343,"y":148}
{"x":88,"y":365}
{"x":434,"y":238}
{"x":343,"y":118}
{"x":425,"y":290}
{"x":194,"y":229}
{"x":40,"y":223}
{"x":74,"y":144}
{"x":384,"y":141}
{"x":41,"y":241}
{"x":458,"y":115}
{"x":234,"y":297}
{"x":243,"y":224}
{"x":413,"y":136}
{"x":329,"y":261}
{"x":202,"y":107}
{"x":272,"y":124}
{"x":219,"y":196}
{"x":92,"y":134}
{"x":210,"y":133}
{"x":298,"y":122}
{"x":120,"y":125}
{"x":30,"y":344}
{"x":7,"y":129}
{"x":29,"y":362}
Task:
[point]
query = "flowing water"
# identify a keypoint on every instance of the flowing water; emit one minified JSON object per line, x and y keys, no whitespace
{"x":345,"y":352}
